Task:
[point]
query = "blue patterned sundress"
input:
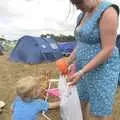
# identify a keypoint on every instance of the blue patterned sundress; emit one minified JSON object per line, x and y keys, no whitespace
{"x":99,"y":86}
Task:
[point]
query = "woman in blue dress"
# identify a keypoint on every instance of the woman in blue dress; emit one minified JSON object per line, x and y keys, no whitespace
{"x":96,"y":57}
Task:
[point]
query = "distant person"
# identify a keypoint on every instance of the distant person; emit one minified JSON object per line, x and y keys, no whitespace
{"x":29,"y":103}
{"x":96,"y":57}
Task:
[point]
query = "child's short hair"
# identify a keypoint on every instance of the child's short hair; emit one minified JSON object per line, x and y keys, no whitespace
{"x":28,"y":86}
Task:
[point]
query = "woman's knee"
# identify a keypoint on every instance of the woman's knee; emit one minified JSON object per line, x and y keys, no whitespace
{"x":100,"y":117}
{"x":84,"y":104}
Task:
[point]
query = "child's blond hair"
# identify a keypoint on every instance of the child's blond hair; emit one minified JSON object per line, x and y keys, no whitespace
{"x":27,"y":86}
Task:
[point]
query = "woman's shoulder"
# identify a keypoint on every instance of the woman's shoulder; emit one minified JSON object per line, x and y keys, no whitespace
{"x":110,"y":5}
{"x":106,"y":10}
{"x":110,"y":13}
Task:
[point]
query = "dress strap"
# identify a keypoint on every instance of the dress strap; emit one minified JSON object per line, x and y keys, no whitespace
{"x":104,"y":5}
{"x":79,"y":18}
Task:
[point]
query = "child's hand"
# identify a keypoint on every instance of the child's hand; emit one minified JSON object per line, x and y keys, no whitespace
{"x":54,"y":105}
{"x":70,"y":68}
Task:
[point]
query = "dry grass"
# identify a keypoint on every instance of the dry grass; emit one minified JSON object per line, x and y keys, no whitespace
{"x":11,"y":72}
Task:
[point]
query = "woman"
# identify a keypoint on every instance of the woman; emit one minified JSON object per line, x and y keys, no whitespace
{"x":96,"y":57}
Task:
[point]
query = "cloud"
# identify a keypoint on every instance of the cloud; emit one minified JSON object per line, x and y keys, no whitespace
{"x":33,"y":17}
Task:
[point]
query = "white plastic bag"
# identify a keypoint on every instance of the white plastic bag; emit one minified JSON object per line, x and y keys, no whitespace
{"x":70,"y":108}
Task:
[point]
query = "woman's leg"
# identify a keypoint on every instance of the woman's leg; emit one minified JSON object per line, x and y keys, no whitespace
{"x":84,"y":107}
{"x":101,"y":118}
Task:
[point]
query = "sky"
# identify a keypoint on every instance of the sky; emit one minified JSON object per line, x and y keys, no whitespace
{"x":35,"y":17}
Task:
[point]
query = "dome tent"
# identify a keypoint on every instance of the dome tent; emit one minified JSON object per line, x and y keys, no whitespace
{"x":1,"y":49}
{"x":33,"y":50}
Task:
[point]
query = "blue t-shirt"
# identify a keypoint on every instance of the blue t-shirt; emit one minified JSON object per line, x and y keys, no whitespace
{"x":28,"y":110}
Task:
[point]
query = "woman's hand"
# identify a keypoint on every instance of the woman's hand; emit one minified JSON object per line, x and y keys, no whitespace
{"x":75,"y":78}
{"x":70,"y":67}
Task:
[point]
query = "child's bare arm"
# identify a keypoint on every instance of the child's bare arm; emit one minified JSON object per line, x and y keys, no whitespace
{"x":54,"y":105}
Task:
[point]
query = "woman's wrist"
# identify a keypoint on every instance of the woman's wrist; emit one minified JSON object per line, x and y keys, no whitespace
{"x":81,"y":72}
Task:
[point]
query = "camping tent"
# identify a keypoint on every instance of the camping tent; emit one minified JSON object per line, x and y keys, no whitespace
{"x":35,"y":50}
{"x":66,"y":47}
{"x":1,"y":49}
{"x":55,"y":48}
{"x":118,"y":45}
{"x":118,"y":42}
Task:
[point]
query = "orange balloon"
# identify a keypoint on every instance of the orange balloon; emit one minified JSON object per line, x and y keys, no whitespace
{"x":62,"y":65}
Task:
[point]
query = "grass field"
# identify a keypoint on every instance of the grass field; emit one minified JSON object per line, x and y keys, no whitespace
{"x":11,"y":72}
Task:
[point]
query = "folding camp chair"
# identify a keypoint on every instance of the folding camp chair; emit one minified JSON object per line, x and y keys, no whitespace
{"x":50,"y":92}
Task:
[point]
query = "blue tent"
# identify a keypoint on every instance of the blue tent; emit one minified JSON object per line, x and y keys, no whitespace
{"x":35,"y":50}
{"x":118,"y":42}
{"x":67,"y":47}
{"x":55,"y":48}
{"x":1,"y":49}
{"x":118,"y":45}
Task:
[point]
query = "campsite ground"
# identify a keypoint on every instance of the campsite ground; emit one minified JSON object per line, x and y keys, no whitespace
{"x":10,"y":72}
